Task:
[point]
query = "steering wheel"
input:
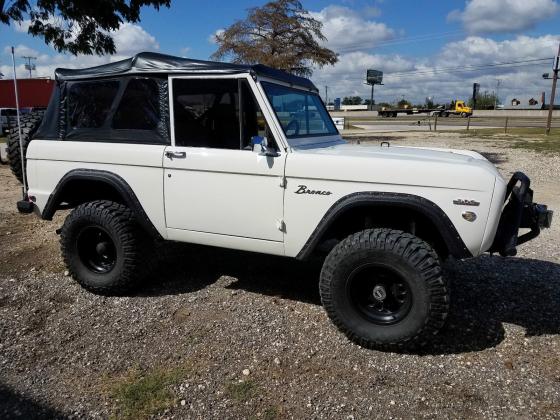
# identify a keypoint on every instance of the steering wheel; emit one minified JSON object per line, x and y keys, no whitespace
{"x":293,"y":125}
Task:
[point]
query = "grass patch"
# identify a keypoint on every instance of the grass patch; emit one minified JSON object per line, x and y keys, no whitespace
{"x":2,"y":139}
{"x":241,"y":391}
{"x":140,"y":395}
{"x":521,"y":138}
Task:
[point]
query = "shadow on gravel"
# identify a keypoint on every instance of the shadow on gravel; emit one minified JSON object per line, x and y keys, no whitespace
{"x":13,"y":405}
{"x":195,"y":267}
{"x":486,"y":292}
{"x":495,"y":157}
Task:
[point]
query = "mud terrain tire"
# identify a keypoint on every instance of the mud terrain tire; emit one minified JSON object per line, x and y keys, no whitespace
{"x":104,"y":248}
{"x":384,"y":289}
{"x":29,"y":125}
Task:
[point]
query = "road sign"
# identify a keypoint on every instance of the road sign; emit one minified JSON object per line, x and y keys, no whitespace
{"x":374,"y":77}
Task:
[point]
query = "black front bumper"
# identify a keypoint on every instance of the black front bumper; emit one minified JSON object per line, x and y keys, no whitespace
{"x":519,"y":213}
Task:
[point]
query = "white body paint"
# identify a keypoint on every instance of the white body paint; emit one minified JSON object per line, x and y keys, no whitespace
{"x":242,"y":200}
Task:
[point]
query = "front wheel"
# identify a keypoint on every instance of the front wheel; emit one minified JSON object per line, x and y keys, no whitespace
{"x":384,"y":289}
{"x":104,"y":248}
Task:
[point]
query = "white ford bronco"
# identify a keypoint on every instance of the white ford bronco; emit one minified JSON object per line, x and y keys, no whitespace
{"x":246,"y":157}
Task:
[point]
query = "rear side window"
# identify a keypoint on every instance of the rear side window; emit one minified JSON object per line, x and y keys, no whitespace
{"x":139,"y":107}
{"x":89,"y":103}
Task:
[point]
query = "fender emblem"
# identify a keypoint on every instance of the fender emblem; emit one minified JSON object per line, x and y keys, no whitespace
{"x":302,"y":189}
{"x":462,"y":202}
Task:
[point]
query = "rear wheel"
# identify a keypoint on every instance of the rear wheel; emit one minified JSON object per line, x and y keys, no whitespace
{"x":384,"y":289}
{"x":29,"y":125}
{"x":104,"y":248}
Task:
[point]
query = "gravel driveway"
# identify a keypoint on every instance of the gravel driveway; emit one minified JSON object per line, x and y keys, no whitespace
{"x":221,"y":334}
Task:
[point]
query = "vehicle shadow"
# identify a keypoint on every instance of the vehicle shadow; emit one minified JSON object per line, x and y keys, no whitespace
{"x":486,"y":292}
{"x":14,"y":405}
{"x":495,"y":157}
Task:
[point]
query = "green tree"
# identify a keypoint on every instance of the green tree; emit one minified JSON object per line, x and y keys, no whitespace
{"x":78,"y":26}
{"x":280,"y":34}
{"x":403,"y":103}
{"x":352,"y":100}
{"x":486,"y":100}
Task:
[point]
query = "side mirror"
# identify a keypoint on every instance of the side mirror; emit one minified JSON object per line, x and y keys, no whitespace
{"x":265,"y":148}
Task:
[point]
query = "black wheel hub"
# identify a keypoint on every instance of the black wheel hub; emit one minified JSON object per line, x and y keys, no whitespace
{"x":96,"y":249}
{"x":379,"y":293}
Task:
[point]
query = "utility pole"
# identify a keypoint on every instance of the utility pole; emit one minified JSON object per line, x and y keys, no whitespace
{"x":499,"y":81}
{"x":326,"y":96}
{"x":29,"y":66}
{"x":553,"y":92}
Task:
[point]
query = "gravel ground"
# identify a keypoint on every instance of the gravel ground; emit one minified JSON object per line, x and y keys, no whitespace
{"x":218,"y":334}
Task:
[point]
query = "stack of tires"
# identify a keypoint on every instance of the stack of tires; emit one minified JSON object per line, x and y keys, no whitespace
{"x":29,"y":125}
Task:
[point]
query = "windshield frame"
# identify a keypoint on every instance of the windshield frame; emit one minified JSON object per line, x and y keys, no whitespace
{"x":303,"y":140}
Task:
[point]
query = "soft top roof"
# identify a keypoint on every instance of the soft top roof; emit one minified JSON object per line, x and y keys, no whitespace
{"x":148,"y":62}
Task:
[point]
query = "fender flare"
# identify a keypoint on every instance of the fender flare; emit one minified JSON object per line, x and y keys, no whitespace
{"x":109,"y":178}
{"x":447,"y":230}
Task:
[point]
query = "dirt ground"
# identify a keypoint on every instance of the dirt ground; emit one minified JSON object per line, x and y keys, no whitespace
{"x":221,"y":334}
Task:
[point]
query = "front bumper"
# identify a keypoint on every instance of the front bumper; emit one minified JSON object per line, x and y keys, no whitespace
{"x":519,"y":213}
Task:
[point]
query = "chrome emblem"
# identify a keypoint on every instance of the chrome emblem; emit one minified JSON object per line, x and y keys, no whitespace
{"x":463,"y":202}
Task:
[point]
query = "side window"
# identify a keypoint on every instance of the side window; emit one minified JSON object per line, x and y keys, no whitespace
{"x":216,"y":113}
{"x":139,"y":106}
{"x":89,"y":103}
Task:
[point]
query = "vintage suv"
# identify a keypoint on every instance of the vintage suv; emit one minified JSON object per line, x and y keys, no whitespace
{"x":246,"y":157}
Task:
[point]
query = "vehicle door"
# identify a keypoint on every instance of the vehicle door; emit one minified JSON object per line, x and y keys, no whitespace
{"x":214,"y":182}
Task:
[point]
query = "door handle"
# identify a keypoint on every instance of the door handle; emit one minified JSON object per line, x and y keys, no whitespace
{"x":175,"y":155}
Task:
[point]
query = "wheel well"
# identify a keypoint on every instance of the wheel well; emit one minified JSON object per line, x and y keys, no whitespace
{"x":79,"y":191}
{"x":370,"y":216}
{"x":82,"y":186}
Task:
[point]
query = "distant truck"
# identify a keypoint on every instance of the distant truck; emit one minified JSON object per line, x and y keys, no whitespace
{"x":459,"y":109}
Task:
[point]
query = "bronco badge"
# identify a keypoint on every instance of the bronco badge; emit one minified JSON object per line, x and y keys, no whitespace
{"x":461,"y":202}
{"x":302,"y":189}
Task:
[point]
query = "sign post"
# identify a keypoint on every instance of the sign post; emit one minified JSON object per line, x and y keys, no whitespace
{"x":373,"y":77}
{"x":475,"y":89}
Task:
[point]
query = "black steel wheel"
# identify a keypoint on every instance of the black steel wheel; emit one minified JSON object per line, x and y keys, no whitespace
{"x":384,"y":289}
{"x":379,"y":293}
{"x":96,"y":249}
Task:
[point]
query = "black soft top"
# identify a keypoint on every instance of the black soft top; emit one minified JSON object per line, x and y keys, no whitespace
{"x":150,"y":63}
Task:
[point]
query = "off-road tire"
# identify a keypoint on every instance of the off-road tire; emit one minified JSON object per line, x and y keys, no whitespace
{"x":395,"y":250}
{"x":131,"y":245}
{"x":29,"y":125}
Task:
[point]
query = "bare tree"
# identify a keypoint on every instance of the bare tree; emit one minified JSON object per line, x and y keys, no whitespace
{"x":280,"y":34}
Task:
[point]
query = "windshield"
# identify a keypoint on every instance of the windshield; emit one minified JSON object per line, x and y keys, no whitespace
{"x":301,"y":113}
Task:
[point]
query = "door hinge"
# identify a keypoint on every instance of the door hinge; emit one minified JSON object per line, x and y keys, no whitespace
{"x":281,"y":225}
{"x":283,"y":182}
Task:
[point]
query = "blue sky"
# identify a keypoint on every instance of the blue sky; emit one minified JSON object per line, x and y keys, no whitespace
{"x":394,"y":36}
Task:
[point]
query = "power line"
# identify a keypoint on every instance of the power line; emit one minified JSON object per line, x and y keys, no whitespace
{"x":459,"y":69}
{"x":396,"y":41}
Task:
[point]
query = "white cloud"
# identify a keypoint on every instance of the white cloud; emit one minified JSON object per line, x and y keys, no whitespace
{"x":503,"y":16}
{"x":212,"y":37}
{"x":348,"y":75}
{"x":345,"y":29}
{"x":129,"y":40}
{"x":477,"y":50}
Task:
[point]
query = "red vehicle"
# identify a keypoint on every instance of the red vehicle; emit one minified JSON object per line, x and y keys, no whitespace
{"x":33,"y":94}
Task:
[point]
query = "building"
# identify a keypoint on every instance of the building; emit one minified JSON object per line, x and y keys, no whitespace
{"x":525,"y":102}
{"x":33,"y":93}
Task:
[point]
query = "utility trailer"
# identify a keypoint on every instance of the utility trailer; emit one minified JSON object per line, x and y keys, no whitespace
{"x":393,"y":112}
